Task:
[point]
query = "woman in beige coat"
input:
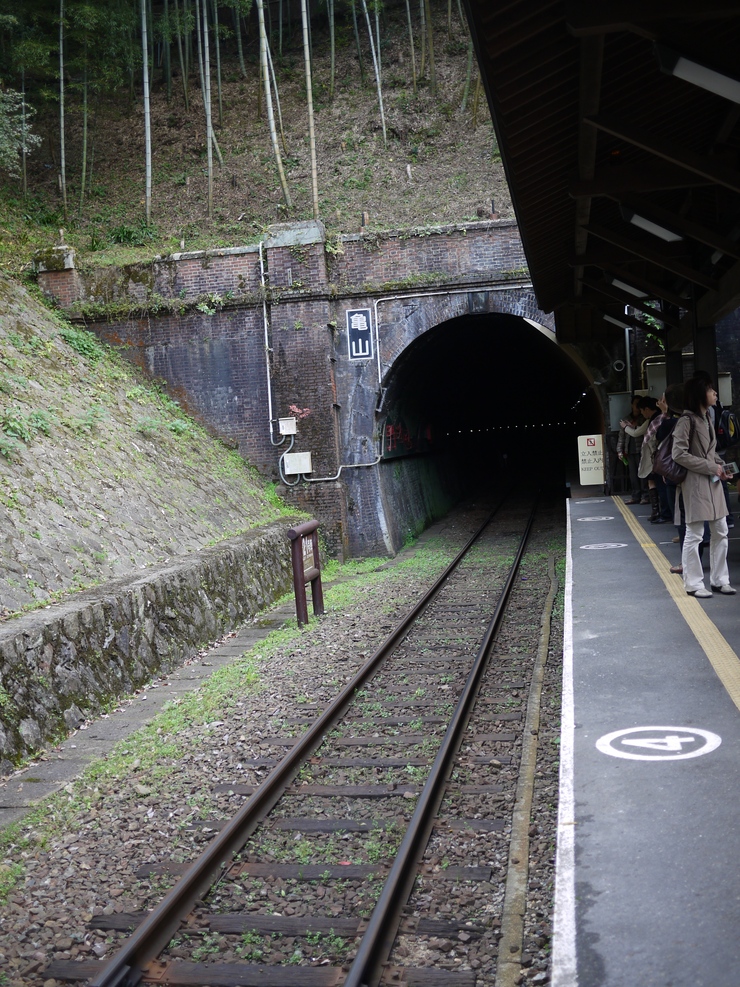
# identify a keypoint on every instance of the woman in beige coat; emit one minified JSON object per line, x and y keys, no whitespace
{"x":694,"y":447}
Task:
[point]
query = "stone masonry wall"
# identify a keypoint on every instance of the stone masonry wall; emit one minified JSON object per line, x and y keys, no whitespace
{"x":476,"y":250}
{"x":214,"y":364}
{"x":212,"y":351}
{"x":59,"y":667}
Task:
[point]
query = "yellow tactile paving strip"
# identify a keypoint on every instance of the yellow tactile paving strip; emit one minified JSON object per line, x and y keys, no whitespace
{"x":721,"y":656}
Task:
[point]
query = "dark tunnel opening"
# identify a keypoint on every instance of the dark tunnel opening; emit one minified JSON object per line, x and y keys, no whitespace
{"x":493,"y":394}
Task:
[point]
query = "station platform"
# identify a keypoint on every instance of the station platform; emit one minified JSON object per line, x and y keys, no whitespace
{"x":648,"y":856}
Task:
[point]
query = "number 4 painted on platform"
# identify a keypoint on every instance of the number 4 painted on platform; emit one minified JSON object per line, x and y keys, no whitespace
{"x":671,"y":742}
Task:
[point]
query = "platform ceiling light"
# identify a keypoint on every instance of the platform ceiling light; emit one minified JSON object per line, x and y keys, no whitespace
{"x":630,"y":216}
{"x":629,"y":288}
{"x":673,"y":63}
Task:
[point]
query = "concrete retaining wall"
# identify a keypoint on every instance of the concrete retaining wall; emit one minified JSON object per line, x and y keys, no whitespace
{"x":59,"y":666}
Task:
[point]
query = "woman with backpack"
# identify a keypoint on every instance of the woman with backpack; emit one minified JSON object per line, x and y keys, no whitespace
{"x":695,"y":448}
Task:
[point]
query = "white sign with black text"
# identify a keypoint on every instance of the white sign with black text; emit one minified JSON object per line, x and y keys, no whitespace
{"x":591,"y":459}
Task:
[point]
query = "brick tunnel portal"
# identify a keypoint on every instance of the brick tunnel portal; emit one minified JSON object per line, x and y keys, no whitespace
{"x":486,"y":392}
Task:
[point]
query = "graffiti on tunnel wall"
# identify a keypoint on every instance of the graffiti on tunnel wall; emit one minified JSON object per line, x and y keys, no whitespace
{"x":402,"y":439}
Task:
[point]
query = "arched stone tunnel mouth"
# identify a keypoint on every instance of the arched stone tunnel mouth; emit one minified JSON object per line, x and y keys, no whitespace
{"x":489,"y":393}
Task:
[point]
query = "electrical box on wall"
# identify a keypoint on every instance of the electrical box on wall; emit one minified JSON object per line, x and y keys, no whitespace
{"x":724,"y":389}
{"x":287,"y":426}
{"x":297,"y":462}
{"x":619,"y":407}
{"x":656,"y":379}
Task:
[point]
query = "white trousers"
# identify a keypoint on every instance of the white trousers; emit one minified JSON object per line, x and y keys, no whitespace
{"x":693,"y":576}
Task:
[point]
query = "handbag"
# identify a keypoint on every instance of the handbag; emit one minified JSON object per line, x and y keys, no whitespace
{"x":665,"y":465}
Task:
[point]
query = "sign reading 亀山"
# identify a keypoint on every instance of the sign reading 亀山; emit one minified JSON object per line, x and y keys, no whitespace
{"x":591,"y":459}
{"x":359,"y":334}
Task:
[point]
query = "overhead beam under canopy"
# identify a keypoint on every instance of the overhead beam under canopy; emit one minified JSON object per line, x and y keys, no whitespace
{"x":711,"y":307}
{"x":654,"y":255}
{"x":701,"y":164}
{"x":595,"y":257}
{"x":650,"y":177}
{"x":584,"y":17}
{"x":620,"y":296}
{"x":678,"y":224}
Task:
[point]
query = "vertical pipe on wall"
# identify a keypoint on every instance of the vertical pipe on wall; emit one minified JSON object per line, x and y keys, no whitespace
{"x":266,"y":324}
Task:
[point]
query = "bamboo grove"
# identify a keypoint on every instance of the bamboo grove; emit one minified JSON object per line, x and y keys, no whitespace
{"x":62,"y":52}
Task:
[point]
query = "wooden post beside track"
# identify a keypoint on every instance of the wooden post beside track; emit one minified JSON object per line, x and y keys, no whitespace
{"x":306,"y":568}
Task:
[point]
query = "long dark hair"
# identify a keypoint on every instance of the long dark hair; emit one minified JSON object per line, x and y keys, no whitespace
{"x":695,"y":394}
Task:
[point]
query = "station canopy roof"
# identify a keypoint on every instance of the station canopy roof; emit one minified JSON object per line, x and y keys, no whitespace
{"x":618,"y":128}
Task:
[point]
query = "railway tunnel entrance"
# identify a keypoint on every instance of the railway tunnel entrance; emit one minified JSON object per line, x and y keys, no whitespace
{"x":482,"y":387}
{"x":467,"y":402}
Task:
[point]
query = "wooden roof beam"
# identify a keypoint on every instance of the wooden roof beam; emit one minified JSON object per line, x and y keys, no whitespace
{"x":623,"y":298}
{"x":592,"y":64}
{"x":700,"y":164}
{"x":626,"y":179}
{"x":527,"y":23}
{"x":629,"y":319}
{"x":655,"y":255}
{"x":712,"y":306}
{"x":613,"y":263}
{"x":680,"y":225}
{"x":584,"y":17}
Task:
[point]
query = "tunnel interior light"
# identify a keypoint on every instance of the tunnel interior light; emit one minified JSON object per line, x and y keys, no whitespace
{"x":673,"y":63}
{"x":628,"y":288}
{"x":630,"y":216}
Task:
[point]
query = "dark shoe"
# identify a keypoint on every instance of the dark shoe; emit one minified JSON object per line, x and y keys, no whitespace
{"x":677,"y":570}
{"x":726,"y":590}
{"x":633,"y":501}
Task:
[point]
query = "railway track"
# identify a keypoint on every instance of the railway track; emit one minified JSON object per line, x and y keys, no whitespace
{"x":326,"y":872}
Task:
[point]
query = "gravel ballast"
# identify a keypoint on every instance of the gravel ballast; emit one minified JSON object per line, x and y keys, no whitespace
{"x":76,"y":855}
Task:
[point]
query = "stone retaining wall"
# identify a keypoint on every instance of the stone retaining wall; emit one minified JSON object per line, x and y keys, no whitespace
{"x":58,"y":666}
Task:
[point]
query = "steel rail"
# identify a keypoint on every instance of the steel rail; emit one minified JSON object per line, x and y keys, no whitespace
{"x":126,"y":967}
{"x":377,"y":941}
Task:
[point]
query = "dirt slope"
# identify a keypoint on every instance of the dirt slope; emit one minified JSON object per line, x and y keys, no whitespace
{"x":437,"y":167}
{"x":100,"y":473}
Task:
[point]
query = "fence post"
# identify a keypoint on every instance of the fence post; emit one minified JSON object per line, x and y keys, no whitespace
{"x":304,"y":551}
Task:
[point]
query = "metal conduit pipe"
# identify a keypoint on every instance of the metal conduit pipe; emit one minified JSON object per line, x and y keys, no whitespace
{"x":345,"y":466}
{"x":268,"y":350}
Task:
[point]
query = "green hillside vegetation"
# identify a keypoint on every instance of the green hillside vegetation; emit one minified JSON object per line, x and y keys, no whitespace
{"x":438,"y":163}
{"x":100,"y":472}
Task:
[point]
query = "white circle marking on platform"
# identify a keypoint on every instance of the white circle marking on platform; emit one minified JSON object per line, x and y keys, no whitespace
{"x":664,"y":743}
{"x":595,"y":518}
{"x":605,"y":544}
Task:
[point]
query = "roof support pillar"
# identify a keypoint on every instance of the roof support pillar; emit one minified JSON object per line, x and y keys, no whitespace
{"x":673,"y":367}
{"x":705,"y":350}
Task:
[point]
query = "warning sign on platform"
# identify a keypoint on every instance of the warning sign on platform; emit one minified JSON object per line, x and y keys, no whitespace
{"x":591,"y":459}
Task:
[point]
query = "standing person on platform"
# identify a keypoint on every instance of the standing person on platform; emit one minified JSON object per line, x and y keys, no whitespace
{"x":631,"y":430}
{"x":674,"y":401}
{"x":653,"y":412}
{"x":715,"y":414}
{"x":694,"y":447}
